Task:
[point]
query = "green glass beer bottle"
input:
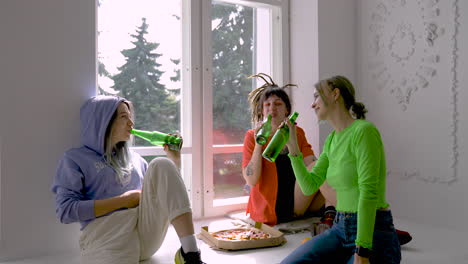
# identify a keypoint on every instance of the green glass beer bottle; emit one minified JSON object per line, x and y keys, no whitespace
{"x":279,"y":140}
{"x":264,"y":132}
{"x":159,"y":138}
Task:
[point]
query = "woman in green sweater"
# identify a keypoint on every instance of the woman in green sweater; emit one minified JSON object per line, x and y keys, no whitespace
{"x":353,"y":163}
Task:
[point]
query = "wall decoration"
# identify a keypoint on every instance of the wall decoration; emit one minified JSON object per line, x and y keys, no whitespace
{"x":412,"y":51}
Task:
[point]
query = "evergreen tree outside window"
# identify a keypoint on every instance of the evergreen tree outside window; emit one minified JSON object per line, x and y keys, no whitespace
{"x":240,"y":34}
{"x":186,"y":78}
{"x":138,"y":80}
{"x":135,"y":64}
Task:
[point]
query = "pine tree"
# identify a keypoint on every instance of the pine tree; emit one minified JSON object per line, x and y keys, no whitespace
{"x":176,"y":78}
{"x":102,"y":71}
{"x":232,"y":64}
{"x":138,"y":80}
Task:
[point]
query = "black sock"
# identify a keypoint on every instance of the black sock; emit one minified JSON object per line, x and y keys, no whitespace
{"x":330,"y":209}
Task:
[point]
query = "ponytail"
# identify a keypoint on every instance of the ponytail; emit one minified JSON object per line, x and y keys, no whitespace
{"x":359,"y":110}
{"x":347,"y":93}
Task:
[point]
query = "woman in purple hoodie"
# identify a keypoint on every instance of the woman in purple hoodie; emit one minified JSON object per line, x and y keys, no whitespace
{"x":123,"y":204}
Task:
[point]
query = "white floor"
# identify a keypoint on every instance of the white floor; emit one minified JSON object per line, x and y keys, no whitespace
{"x":429,"y":246}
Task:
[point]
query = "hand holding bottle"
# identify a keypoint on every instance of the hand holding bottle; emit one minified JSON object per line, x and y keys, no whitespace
{"x":292,"y":144}
{"x":263,"y":132}
{"x":278,"y":141}
{"x":258,"y":126}
{"x":173,"y":154}
{"x":157,"y":138}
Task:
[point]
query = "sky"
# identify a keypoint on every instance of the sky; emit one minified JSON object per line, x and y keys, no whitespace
{"x":118,"y":19}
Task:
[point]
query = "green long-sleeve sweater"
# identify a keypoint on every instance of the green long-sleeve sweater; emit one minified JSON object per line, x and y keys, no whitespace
{"x":353,"y":163}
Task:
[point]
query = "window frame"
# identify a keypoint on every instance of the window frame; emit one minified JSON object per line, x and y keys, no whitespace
{"x":1,"y":216}
{"x":196,"y":121}
{"x":280,"y":72}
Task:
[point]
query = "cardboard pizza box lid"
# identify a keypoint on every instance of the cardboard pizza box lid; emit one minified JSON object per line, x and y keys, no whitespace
{"x":277,"y":238}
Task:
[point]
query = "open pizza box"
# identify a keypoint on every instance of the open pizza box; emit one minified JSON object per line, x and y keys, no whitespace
{"x":276,"y":238}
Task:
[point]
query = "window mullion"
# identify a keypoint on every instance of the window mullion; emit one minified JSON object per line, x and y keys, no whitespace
{"x":207,"y":75}
{"x":193,"y":123}
{"x":280,"y":30}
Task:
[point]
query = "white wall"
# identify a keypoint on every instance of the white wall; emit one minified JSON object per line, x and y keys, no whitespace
{"x":323,"y":44}
{"x":304,"y":65}
{"x":337,"y":43}
{"x":424,"y":131}
{"x":47,"y":69}
{"x":422,"y":153}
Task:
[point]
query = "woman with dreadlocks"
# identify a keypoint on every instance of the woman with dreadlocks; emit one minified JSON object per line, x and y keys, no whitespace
{"x":274,"y":195}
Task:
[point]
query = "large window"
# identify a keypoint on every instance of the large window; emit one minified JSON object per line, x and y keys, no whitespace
{"x":139,"y":55}
{"x":184,"y":65}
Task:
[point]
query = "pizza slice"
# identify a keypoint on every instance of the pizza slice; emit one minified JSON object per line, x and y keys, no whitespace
{"x":241,"y":234}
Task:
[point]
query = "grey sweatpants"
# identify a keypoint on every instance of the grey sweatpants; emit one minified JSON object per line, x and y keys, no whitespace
{"x":132,"y":235}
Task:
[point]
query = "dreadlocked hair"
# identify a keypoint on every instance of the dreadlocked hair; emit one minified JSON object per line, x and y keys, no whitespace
{"x":260,"y":94}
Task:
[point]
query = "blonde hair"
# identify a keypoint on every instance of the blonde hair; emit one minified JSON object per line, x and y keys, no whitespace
{"x":347,"y":92}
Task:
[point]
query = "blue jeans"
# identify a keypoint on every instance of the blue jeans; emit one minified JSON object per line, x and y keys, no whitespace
{"x":336,"y":245}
